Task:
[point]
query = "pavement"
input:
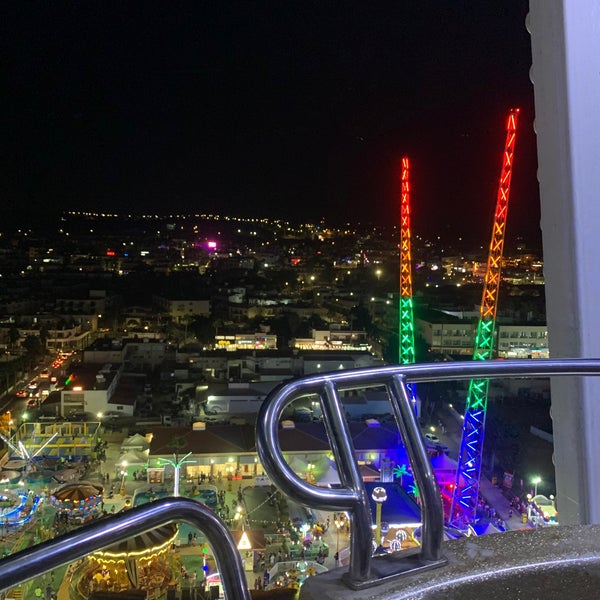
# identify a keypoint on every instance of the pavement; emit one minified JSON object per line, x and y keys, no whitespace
{"x":493,"y":494}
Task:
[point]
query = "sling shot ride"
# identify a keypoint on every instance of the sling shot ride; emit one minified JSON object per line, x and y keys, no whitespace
{"x":406,"y":350}
{"x":466,"y":490}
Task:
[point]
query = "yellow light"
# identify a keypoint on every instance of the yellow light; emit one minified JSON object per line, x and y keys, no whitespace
{"x":115,"y":556}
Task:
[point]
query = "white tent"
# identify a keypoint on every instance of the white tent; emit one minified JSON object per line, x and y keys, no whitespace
{"x":330,"y":476}
{"x":134,"y":458}
{"x":135,"y":442}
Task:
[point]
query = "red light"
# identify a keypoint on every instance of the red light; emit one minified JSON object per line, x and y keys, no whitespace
{"x":110,"y":253}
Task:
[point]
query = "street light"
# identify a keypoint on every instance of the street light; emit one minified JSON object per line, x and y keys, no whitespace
{"x":536,"y":480}
{"x":338,"y":524}
{"x":379,"y":495}
{"x":123,"y":475}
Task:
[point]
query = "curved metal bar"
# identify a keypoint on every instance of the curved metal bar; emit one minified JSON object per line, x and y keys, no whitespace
{"x":446,"y":371}
{"x":271,"y":456}
{"x":431,"y":499}
{"x":364,"y":570}
{"x":75,"y":545}
{"x":360,"y":511}
{"x":352,"y":497}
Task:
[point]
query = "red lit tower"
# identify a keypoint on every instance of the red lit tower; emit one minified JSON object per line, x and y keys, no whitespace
{"x":406,"y":350}
{"x":466,"y":490}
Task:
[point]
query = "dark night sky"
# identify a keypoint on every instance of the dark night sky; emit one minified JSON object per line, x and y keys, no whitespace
{"x":283,"y":109}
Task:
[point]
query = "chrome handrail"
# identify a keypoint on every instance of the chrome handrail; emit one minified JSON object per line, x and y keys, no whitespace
{"x":364,"y":569}
{"x":77,"y":544}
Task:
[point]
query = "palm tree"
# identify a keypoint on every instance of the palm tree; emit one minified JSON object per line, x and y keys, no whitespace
{"x":177,"y":442}
{"x":400,"y":471}
{"x":414,"y":490}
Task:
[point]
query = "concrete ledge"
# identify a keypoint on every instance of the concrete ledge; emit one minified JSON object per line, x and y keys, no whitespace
{"x":554,"y":562}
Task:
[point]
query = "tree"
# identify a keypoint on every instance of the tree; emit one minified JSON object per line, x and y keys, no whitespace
{"x":400,"y":471}
{"x":13,"y":335}
{"x":361,"y":318}
{"x":203,"y":329}
{"x":33,"y":346}
{"x":316,"y":322}
{"x":414,"y":490}
{"x":43,"y":336}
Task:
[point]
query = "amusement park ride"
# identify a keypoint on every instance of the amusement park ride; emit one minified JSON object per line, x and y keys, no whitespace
{"x":20,"y":450}
{"x":466,"y":488}
{"x":406,"y":321}
{"x":406,"y":354}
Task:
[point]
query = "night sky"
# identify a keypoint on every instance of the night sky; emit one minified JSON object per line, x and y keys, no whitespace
{"x":285,"y":109}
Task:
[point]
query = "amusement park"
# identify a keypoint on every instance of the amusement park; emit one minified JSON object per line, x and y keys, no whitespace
{"x":59,"y":476}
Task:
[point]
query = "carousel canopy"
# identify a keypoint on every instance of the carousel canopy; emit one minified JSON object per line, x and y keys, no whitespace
{"x":146,"y":543}
{"x":76,"y":492}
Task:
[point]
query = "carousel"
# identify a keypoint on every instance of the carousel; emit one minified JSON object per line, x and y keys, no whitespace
{"x":138,"y":563}
{"x":77,"y":500}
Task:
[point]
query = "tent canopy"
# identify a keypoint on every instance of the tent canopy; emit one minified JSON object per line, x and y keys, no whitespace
{"x":134,"y":458}
{"x":135,"y":442}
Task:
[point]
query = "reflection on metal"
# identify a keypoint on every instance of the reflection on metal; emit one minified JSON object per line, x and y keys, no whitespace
{"x":364,"y":569}
{"x":68,"y":548}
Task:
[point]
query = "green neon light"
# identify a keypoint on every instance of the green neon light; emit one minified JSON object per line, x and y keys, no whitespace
{"x":407,"y":332}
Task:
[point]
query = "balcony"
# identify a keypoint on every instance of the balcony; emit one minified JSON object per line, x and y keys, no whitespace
{"x":561,"y":561}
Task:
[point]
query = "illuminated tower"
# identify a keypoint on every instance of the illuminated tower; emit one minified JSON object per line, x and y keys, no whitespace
{"x":406,"y":350}
{"x":406,"y":337}
{"x":466,"y":490}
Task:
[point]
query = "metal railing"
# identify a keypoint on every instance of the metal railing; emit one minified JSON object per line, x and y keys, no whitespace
{"x":364,"y":569}
{"x":73,"y":546}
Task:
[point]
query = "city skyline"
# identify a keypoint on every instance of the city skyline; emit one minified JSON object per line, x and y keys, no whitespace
{"x":298,"y":111}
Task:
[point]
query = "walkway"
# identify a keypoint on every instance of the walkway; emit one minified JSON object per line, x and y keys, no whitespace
{"x":494,"y":495}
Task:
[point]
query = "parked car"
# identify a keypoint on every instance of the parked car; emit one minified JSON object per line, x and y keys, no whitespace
{"x":431,"y":437}
{"x":433,"y":441}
